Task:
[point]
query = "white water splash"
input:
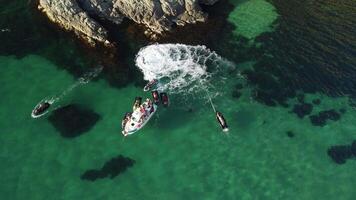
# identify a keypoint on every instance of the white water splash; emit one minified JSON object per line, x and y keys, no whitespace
{"x":182,"y":68}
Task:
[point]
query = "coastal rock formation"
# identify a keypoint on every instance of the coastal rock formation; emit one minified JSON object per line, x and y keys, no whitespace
{"x":71,"y":17}
{"x":157,"y":15}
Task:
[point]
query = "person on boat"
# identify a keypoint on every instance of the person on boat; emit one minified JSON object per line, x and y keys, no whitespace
{"x":41,"y":108}
{"x":126,"y":119}
{"x":152,"y":109}
{"x":149,"y":102}
{"x":137,"y":103}
{"x":142,"y":108}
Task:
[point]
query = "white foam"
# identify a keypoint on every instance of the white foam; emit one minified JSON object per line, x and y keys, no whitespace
{"x":86,"y":78}
{"x":181,"y":68}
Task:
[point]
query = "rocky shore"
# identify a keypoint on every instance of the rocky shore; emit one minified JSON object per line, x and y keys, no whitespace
{"x":158,"y":16}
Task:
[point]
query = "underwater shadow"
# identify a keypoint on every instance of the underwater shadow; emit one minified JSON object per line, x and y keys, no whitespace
{"x":72,"y":121}
{"x":111,"y":169}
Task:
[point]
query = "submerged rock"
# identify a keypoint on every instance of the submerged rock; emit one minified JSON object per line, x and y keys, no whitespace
{"x":341,"y":153}
{"x":353,"y":148}
{"x":316,"y":101}
{"x":321,"y":118}
{"x":290,"y":134}
{"x":157,"y":15}
{"x":300,"y":98}
{"x":303,"y":109}
{"x":111,"y":169}
{"x":72,"y":120}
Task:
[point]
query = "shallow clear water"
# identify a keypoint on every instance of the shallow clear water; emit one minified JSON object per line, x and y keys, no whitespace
{"x":180,"y":153}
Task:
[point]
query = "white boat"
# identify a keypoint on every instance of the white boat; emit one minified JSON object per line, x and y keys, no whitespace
{"x":139,"y":118}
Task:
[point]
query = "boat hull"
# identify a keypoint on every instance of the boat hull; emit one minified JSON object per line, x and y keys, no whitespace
{"x":129,"y":129}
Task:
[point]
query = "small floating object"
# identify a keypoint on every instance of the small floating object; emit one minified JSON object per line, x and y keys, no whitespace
{"x":137,"y":103}
{"x":150,"y":84}
{"x":139,"y":118}
{"x":222,"y":121}
{"x":155,"y":96}
{"x":164,"y":99}
{"x":5,"y":30}
{"x":40,"y":109}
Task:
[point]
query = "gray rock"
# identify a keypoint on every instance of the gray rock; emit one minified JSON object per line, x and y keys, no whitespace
{"x":70,"y":16}
{"x":157,"y":15}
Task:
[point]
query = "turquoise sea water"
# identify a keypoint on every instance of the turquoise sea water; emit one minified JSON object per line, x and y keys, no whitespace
{"x":181,"y":153}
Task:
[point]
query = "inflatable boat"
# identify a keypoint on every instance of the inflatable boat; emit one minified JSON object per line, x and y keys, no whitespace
{"x":149,"y":85}
{"x":222,"y":121}
{"x":155,"y":96}
{"x":40,"y":109}
{"x":164,"y":99}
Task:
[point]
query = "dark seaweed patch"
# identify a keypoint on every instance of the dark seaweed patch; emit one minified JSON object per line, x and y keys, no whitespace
{"x":321,"y":118}
{"x":302,"y":109}
{"x":111,"y":169}
{"x":290,"y":134}
{"x":340,"y":153}
{"x":300,"y":56}
{"x":316,"y":101}
{"x":342,"y":110}
{"x":300,"y":98}
{"x":353,"y":148}
{"x":236,"y":92}
{"x":72,"y":120}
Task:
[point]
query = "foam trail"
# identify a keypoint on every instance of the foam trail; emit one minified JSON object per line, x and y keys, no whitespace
{"x":182,"y":68}
{"x":81,"y":81}
{"x":211,"y":102}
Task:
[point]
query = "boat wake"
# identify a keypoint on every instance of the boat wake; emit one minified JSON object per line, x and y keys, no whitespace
{"x":86,"y":78}
{"x":183,"y":68}
{"x":190,"y":71}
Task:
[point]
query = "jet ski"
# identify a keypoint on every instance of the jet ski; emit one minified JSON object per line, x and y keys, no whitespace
{"x":164,"y":99}
{"x":150,"y":84}
{"x":40,"y":109}
{"x":139,"y":117}
{"x":125,"y":119}
{"x":222,"y":121}
{"x":155,"y":96}
{"x":137,"y":103}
